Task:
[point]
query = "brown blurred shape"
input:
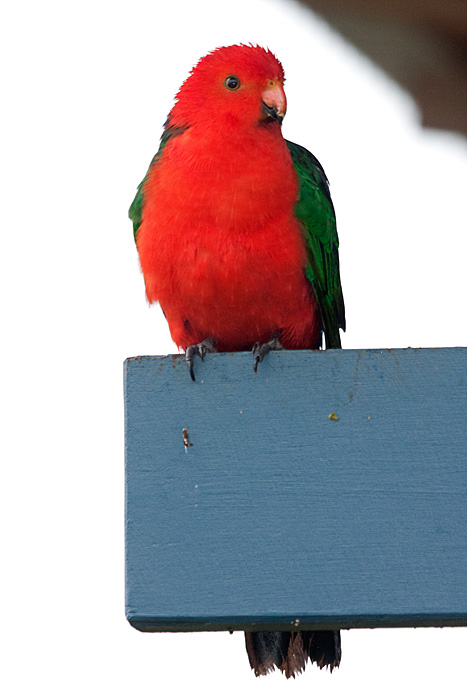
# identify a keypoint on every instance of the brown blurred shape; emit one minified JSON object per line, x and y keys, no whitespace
{"x":422,"y":44}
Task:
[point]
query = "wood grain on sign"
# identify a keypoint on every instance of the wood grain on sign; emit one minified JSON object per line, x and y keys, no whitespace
{"x":329,"y":490}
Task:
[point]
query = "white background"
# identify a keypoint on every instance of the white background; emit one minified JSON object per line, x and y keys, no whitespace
{"x":86,"y":87}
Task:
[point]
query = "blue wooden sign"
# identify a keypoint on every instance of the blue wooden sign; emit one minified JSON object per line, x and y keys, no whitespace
{"x":329,"y":490}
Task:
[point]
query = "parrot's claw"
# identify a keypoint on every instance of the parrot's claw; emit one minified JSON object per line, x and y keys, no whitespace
{"x":199,"y":350}
{"x":260,"y":350}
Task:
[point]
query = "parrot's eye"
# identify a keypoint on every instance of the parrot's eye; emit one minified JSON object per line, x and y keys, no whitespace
{"x":232,"y":82}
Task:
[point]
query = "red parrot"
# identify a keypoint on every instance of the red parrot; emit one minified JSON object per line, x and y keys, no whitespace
{"x":236,"y":235}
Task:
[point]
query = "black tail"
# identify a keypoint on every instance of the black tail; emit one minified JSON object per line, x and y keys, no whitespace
{"x":289,"y":651}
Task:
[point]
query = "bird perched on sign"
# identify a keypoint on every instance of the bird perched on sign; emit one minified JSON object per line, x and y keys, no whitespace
{"x":237,"y":240}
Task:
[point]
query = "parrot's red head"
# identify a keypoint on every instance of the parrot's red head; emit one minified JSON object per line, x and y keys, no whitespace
{"x":237,"y":85}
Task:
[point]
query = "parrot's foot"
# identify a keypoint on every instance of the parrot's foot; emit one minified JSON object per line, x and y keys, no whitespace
{"x":199,"y":350}
{"x":260,"y":350}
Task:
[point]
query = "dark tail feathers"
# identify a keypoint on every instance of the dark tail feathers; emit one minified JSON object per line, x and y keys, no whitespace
{"x":289,"y":651}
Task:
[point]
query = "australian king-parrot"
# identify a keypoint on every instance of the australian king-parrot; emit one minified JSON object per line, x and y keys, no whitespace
{"x":237,"y":240}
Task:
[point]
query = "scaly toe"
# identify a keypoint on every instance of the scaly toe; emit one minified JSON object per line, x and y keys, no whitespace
{"x":260,"y":350}
{"x":199,"y":350}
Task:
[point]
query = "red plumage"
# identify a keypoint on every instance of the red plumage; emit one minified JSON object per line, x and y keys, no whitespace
{"x":220,"y":247}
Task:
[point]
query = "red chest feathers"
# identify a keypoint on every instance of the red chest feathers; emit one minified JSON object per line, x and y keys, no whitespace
{"x":220,"y":247}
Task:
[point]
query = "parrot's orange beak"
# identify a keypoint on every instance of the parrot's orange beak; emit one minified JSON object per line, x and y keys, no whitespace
{"x":274,"y":101}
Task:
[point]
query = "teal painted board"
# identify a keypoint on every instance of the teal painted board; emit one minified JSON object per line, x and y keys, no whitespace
{"x":248,"y":507}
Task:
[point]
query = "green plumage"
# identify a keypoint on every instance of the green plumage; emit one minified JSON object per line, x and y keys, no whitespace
{"x":316,"y":212}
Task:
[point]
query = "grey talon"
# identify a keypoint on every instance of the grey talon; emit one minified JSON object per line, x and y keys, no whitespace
{"x":200,"y":350}
{"x":260,"y":350}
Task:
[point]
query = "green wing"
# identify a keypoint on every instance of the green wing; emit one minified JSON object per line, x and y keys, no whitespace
{"x":316,"y":212}
{"x":136,"y":209}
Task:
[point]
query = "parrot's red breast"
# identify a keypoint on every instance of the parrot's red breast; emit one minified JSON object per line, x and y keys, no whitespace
{"x":220,"y":247}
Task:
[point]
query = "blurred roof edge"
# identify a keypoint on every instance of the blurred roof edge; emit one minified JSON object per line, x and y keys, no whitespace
{"x":422,"y":44}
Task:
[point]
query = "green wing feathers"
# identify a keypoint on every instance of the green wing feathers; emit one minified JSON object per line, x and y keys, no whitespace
{"x":316,"y":212}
